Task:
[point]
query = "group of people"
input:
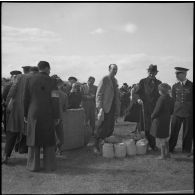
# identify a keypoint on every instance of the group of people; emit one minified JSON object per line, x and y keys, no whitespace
{"x":164,"y":109}
{"x":34,"y":103}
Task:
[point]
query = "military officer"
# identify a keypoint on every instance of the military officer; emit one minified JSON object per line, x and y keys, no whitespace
{"x":5,"y":92}
{"x":183,"y":111}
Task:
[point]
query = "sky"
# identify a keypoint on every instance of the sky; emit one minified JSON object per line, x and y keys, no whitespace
{"x":82,"y":39}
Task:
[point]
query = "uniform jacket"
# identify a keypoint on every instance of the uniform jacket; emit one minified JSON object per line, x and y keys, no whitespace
{"x":105,"y":95}
{"x":15,"y":118}
{"x":183,"y":98}
{"x":161,"y":117}
{"x":148,"y":93}
{"x":41,"y":107}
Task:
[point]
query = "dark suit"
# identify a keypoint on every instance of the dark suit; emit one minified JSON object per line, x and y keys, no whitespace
{"x":41,"y":107}
{"x":183,"y":113}
{"x":148,"y":93}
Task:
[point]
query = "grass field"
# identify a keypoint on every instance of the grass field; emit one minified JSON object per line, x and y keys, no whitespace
{"x":83,"y":172}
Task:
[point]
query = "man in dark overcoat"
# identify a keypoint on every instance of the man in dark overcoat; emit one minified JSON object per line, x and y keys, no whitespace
{"x":148,"y":96}
{"x":182,"y":93}
{"x":41,"y":112}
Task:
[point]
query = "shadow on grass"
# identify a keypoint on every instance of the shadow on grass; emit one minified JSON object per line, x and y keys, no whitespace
{"x":183,"y":159}
{"x":16,"y":161}
{"x":75,"y":170}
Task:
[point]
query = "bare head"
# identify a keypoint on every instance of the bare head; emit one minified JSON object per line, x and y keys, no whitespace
{"x":44,"y":66}
{"x":91,"y":81}
{"x":113,"y":69}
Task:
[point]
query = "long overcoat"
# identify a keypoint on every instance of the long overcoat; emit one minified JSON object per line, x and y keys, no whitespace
{"x":15,"y":119}
{"x":148,"y":92}
{"x":41,"y":107}
{"x":161,"y":117}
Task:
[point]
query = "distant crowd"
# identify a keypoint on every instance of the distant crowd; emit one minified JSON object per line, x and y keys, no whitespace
{"x":33,"y":104}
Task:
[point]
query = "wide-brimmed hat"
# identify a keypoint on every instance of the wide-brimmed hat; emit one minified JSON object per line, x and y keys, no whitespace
{"x":152,"y":68}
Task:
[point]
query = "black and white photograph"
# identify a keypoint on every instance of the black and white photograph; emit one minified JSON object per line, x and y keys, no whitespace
{"x":97,"y":97}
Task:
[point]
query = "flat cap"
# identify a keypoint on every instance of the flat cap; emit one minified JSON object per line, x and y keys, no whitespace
{"x":72,"y":78}
{"x":15,"y":72}
{"x":181,"y":69}
{"x":26,"y":67}
{"x":34,"y":69}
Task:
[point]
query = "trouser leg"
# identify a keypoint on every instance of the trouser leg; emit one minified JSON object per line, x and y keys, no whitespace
{"x":23,"y":148}
{"x":150,"y":138}
{"x":33,"y":159}
{"x":106,"y":128}
{"x":49,"y":158}
{"x":59,"y":134}
{"x":4,"y":120}
{"x":10,"y":142}
{"x":92,"y":120}
{"x":187,"y":135}
{"x":175,"y":127}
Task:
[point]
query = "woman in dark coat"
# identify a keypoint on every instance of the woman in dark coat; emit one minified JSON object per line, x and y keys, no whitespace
{"x":161,"y":118}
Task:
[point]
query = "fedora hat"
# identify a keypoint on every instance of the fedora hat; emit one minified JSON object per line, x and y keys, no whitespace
{"x":152,"y":68}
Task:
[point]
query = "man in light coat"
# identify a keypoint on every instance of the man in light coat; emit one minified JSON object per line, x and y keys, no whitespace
{"x":108,"y":106}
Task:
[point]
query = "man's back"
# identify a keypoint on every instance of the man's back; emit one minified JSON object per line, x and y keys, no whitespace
{"x":40,"y":109}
